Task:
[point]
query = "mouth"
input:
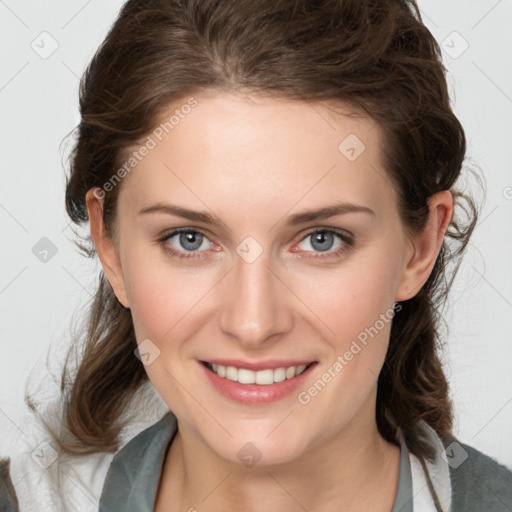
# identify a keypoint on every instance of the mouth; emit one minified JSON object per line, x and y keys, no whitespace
{"x":256,"y":383}
{"x":265,"y":377}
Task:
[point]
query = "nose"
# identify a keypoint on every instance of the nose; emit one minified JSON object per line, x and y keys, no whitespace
{"x":256,"y":309}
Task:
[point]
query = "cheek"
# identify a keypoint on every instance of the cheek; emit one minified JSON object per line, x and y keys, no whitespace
{"x":356,"y":305}
{"x":358,"y":309}
{"x":165,"y":299}
{"x":162,"y":306}
{"x":158,"y":301}
{"x":351,"y":298}
{"x":151,"y":289}
{"x":147,"y":303}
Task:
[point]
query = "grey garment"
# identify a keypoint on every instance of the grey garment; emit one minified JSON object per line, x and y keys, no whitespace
{"x":8,"y":498}
{"x":134,"y":473}
{"x":132,"y":479}
{"x":479,"y":483}
{"x":403,"y":499}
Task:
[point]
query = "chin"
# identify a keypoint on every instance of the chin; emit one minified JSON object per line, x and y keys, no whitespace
{"x":250,"y":447}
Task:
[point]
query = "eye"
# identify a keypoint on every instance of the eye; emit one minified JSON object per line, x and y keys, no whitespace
{"x":324,"y":241}
{"x":191,"y":241}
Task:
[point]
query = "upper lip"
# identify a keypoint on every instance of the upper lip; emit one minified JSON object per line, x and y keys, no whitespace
{"x":260,"y":365}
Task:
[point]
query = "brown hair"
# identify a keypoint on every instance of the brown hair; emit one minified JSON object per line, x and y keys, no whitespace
{"x":374,"y":55}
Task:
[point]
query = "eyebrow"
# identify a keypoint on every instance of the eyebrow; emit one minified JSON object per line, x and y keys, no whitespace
{"x":293,"y":220}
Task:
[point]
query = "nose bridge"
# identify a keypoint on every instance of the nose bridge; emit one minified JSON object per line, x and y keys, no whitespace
{"x":254,"y":309}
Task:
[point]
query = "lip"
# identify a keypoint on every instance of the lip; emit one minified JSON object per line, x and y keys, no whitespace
{"x":255,"y":394}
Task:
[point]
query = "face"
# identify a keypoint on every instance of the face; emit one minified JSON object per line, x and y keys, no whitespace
{"x":259,"y":287}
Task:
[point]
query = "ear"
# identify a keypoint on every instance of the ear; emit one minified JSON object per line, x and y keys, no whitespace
{"x":105,"y":245}
{"x":423,"y":248}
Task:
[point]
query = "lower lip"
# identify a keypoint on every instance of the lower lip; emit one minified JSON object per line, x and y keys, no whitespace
{"x":255,"y":393}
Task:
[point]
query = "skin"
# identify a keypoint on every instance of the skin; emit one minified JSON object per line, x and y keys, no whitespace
{"x":253,"y":161}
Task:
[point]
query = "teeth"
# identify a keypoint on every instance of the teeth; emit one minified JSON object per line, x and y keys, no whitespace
{"x":279,"y":374}
{"x":246,"y":376}
{"x":290,"y":372}
{"x":262,"y":377}
{"x":231,"y":373}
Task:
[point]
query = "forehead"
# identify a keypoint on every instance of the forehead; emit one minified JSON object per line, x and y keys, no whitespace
{"x":248,"y":151}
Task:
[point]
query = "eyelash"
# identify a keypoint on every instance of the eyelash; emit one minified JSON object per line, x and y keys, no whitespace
{"x":347,"y":240}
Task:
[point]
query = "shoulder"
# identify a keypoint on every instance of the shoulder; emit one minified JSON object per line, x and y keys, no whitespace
{"x":478,"y":481}
{"x":42,"y":478}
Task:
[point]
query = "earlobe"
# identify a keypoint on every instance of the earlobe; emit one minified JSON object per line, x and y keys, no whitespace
{"x":423,"y":248}
{"x":105,"y":246}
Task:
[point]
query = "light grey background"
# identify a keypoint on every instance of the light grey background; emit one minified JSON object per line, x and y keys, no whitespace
{"x":39,"y":106}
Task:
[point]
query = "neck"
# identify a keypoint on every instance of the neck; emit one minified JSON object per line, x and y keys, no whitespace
{"x":355,"y":470}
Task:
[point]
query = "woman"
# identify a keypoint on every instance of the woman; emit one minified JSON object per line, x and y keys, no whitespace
{"x":271,"y":192}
